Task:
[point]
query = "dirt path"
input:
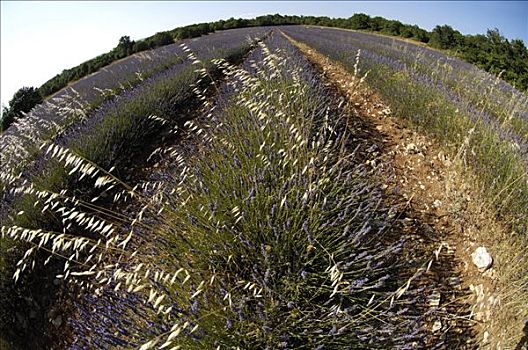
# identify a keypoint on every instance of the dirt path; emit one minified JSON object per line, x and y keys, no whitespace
{"x":443,"y":205}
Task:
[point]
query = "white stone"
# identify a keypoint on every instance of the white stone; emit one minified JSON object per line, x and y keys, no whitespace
{"x":486,"y":337}
{"x":411,"y":148}
{"x":482,"y":259}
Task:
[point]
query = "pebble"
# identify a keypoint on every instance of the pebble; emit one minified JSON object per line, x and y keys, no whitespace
{"x":411,"y":148}
{"x":482,"y":259}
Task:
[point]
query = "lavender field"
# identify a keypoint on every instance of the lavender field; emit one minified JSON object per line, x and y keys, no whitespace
{"x":446,"y":97}
{"x":223,"y":193}
{"x":102,"y":91}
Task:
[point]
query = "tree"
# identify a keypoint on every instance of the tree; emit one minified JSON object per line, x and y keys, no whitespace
{"x":420,"y":34}
{"x":7,"y":118}
{"x":445,"y":37}
{"x":407,"y":31}
{"x":125,"y":46}
{"x":377,"y":23}
{"x":25,"y":99}
{"x":392,"y":27}
{"x":22,"y":102}
{"x":160,"y":39}
{"x":140,"y":46}
{"x":359,"y":21}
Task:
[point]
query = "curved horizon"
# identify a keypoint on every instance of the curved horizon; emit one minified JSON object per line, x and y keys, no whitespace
{"x":41,"y":39}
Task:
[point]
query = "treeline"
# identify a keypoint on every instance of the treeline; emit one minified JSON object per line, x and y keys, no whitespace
{"x":22,"y":102}
{"x":492,"y":52}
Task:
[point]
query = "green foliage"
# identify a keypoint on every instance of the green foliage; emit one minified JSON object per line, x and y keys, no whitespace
{"x":125,"y":46}
{"x":376,"y":24}
{"x":159,"y":39}
{"x":414,"y":32}
{"x":495,"y":54}
{"x":491,"y":52}
{"x":140,"y":46}
{"x":8,"y":117}
{"x":22,"y":102}
{"x":445,"y":37}
{"x":393,"y":28}
{"x":359,"y":21}
{"x":25,"y":99}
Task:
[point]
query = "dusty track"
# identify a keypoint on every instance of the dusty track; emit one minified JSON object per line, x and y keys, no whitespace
{"x":445,"y":215}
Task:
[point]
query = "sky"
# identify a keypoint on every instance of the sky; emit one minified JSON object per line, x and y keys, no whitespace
{"x":41,"y":38}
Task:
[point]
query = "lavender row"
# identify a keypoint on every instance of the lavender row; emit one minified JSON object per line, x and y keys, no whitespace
{"x":461,"y":78}
{"x":140,"y":64}
{"x":275,"y":118}
{"x":426,"y":58}
{"x":72,"y":105}
{"x":404,"y":58}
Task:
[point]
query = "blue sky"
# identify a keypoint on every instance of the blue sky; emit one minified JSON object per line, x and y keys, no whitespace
{"x":40,"y":39}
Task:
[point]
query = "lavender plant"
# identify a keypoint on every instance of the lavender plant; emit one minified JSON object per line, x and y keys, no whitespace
{"x":265,"y":231}
{"x":112,"y":135}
